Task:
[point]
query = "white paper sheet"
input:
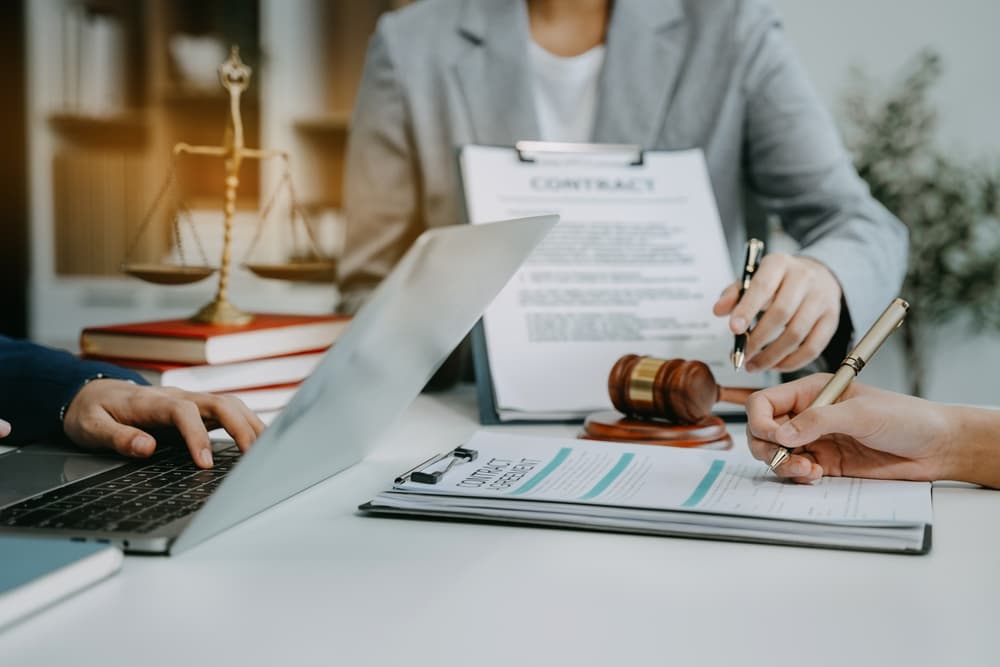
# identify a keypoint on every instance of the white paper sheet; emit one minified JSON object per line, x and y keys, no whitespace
{"x":517,"y":467}
{"x":634,"y":266}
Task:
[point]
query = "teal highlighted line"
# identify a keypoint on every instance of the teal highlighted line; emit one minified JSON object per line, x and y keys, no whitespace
{"x":610,"y":477}
{"x":561,"y":456}
{"x":706,"y":483}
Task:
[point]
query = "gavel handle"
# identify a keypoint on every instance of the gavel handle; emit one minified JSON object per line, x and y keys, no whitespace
{"x":738,"y":395}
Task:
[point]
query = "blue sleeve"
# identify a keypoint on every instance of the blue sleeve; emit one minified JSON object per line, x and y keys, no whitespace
{"x":37,"y":382}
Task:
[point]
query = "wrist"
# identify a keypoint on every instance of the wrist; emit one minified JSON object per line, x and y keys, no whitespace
{"x":65,"y":406}
{"x":825,"y":271}
{"x":971,"y":449}
{"x":84,"y":386}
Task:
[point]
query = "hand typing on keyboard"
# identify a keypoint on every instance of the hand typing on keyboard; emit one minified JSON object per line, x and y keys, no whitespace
{"x":113,"y":413}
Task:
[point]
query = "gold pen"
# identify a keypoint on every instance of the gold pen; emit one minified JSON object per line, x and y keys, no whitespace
{"x":862,"y":353}
{"x":755,"y":250}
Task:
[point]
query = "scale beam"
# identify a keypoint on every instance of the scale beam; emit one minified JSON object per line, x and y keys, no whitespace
{"x":234,"y":76}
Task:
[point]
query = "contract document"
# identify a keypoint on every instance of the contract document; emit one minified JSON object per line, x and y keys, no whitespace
{"x":633,"y":267}
{"x":661,"y":491}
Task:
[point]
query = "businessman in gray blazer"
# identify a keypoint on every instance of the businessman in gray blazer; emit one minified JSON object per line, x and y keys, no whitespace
{"x":667,"y":74}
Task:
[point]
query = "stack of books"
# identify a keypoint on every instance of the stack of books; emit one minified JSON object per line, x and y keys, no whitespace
{"x":261,"y":363}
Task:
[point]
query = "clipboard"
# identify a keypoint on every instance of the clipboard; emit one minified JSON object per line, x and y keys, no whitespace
{"x":433,"y":470}
{"x":529,"y":152}
{"x":517,"y":479}
{"x":619,"y":159}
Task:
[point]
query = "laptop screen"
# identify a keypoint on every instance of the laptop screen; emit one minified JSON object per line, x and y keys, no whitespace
{"x":395,"y":343}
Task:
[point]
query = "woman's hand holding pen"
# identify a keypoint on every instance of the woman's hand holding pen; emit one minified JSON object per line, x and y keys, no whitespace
{"x":869,"y":433}
{"x":801,"y":299}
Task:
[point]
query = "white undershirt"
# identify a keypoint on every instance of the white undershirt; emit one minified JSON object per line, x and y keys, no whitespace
{"x":565,"y":91}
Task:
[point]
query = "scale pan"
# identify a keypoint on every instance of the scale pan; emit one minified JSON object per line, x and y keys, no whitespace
{"x":316,"y":272}
{"x":167,"y":274}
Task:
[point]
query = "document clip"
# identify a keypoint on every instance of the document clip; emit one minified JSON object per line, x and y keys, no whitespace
{"x":530,"y":151}
{"x":421,"y":475}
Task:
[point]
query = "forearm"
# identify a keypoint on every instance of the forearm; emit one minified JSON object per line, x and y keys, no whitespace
{"x":799,"y":170}
{"x":36,"y":383}
{"x":974,"y":451}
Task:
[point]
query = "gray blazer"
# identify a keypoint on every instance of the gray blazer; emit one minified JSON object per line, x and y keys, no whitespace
{"x":714,"y":74}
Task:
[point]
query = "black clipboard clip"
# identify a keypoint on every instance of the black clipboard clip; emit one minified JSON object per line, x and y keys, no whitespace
{"x":421,"y":475}
{"x":529,"y":151}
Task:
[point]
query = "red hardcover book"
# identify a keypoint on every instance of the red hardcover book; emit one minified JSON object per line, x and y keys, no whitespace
{"x":183,"y":341}
{"x":224,"y":377}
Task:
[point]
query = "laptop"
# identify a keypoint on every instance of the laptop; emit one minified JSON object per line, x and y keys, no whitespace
{"x":395,"y":343}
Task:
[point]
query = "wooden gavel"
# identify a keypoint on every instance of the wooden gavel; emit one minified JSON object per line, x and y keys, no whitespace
{"x":676,"y":390}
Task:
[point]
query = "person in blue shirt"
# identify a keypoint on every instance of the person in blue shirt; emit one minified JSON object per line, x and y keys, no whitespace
{"x":47,"y":393}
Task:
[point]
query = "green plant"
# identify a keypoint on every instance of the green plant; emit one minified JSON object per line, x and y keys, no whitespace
{"x":952,"y":209}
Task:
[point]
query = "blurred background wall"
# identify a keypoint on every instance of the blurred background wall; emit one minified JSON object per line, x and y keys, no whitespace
{"x":881,"y":38}
{"x":96,"y":161}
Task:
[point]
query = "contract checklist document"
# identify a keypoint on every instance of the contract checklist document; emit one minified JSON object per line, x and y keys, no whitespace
{"x":660,"y":491}
{"x":634,"y":266}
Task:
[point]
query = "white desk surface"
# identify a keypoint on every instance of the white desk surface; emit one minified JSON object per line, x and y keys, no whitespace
{"x":312,"y":582}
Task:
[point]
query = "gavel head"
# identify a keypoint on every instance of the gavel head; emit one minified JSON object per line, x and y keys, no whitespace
{"x":673,"y":389}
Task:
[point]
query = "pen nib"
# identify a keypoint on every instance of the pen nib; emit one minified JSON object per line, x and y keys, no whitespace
{"x":737,"y":357}
{"x":779,"y":457}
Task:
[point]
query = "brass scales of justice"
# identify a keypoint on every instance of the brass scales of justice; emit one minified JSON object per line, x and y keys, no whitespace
{"x":235,"y":77}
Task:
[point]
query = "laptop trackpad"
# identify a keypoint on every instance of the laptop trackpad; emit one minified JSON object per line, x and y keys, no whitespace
{"x":24,"y":473}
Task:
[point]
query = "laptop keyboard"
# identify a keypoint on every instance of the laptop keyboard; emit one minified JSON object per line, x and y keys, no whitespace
{"x":135,"y":498}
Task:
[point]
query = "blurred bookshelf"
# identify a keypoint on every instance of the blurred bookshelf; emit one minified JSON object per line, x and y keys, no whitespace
{"x":13,"y":173}
{"x":125,"y":129}
{"x":114,"y":84}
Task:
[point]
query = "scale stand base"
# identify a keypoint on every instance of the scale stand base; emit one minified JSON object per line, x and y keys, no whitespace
{"x":222,"y":312}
